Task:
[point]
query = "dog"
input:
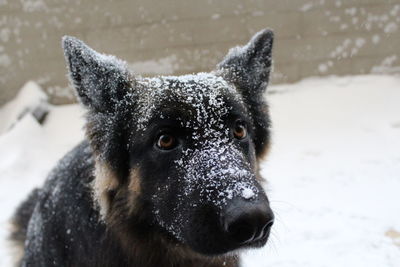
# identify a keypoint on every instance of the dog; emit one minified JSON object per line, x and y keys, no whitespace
{"x":168,"y":174}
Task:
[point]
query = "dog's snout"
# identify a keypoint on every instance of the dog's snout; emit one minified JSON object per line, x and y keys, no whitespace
{"x":247,"y":222}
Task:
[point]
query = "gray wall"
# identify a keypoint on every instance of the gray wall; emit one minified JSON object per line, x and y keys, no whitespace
{"x":313,"y":37}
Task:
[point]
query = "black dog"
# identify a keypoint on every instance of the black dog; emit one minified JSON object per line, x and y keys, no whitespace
{"x":168,"y":175}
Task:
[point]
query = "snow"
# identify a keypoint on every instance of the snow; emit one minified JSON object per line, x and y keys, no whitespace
{"x":322,"y":68}
{"x":306,"y":7}
{"x":89,"y":71}
{"x":388,"y":65}
{"x":333,"y":172}
{"x":33,"y":5}
{"x":202,"y":91}
{"x":390,"y":27}
{"x":202,"y":96}
{"x":216,"y":16}
{"x":376,"y":38}
{"x":28,"y":98}
{"x":5,"y":60}
{"x":28,"y":151}
{"x":247,"y":193}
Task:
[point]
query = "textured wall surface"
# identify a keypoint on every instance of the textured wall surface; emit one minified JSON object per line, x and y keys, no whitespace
{"x":313,"y":37}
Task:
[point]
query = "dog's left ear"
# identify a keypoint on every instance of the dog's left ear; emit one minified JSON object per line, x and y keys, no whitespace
{"x":101,"y":81}
{"x":105,"y":87}
{"x":248,"y":68}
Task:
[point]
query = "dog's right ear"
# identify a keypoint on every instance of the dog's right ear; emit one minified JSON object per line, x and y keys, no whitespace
{"x":101,"y":81}
{"x":248,"y":68}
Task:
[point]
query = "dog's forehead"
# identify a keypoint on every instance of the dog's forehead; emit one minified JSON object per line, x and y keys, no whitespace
{"x":203,"y":96}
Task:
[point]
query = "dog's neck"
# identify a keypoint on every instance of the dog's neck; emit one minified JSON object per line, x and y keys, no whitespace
{"x":150,"y":250}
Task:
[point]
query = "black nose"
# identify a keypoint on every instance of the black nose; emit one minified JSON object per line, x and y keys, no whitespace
{"x":247,"y":222}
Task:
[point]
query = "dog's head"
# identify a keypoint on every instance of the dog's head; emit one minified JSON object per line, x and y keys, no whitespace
{"x":180,"y":154}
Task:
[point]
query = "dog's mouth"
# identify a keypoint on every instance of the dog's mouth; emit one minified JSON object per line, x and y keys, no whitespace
{"x":229,"y":249}
{"x":251,"y":243}
{"x":260,"y":242}
{"x":246,"y":226}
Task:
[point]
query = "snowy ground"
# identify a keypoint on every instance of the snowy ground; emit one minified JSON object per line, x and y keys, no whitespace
{"x":333,"y":172}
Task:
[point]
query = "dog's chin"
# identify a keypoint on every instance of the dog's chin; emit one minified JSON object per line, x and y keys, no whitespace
{"x":228,"y":250}
{"x":242,"y":249}
{"x":212,"y":245}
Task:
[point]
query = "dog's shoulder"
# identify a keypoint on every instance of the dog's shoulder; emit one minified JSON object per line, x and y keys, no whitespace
{"x":64,"y":215}
{"x":69,"y":182}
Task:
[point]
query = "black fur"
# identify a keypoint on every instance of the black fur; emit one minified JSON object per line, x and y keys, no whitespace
{"x":119,"y":200}
{"x":249,"y":71}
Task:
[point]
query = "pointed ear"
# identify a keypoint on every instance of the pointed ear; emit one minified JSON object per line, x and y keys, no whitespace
{"x":248,"y":67}
{"x":100,"y":80}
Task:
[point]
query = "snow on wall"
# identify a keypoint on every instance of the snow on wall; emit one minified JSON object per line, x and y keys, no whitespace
{"x":313,"y":37}
{"x":29,"y":97}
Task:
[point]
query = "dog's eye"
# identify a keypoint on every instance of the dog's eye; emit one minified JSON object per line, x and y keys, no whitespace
{"x":240,"y":130}
{"x":166,"y":141}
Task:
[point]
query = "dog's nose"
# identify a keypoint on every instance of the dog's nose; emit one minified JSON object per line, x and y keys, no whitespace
{"x":246,"y":222}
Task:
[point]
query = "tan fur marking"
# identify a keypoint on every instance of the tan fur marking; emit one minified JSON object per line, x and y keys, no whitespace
{"x":104,"y":182}
{"x":134,"y":188}
{"x":264,"y":153}
{"x":134,"y":183}
{"x":16,"y":247}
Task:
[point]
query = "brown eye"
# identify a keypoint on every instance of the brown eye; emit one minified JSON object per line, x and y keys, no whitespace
{"x":166,"y":141}
{"x":240,"y":131}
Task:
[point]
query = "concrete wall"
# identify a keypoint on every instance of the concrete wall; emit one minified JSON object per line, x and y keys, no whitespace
{"x":313,"y":37}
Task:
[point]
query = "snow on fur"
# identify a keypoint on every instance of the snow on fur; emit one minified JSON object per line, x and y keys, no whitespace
{"x":214,"y":166}
{"x":97,"y":78}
